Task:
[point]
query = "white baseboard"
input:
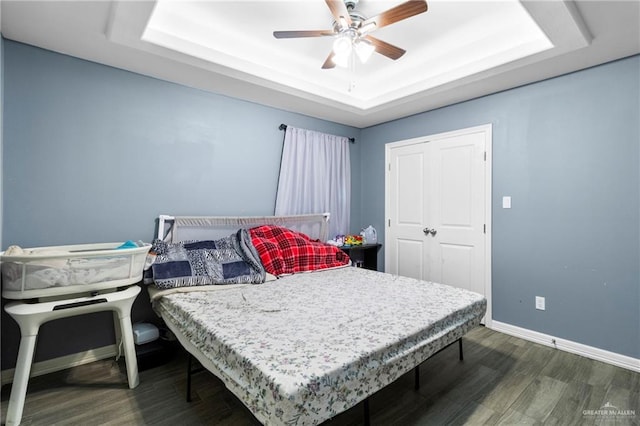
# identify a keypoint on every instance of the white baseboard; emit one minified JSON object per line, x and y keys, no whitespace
{"x":63,"y":362}
{"x":613,"y":358}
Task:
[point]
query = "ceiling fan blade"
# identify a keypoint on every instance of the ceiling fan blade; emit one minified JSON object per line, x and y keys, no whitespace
{"x":398,"y":13}
{"x":386,"y":49}
{"x":328,"y":64}
{"x":303,"y":33}
{"x":339,"y":10}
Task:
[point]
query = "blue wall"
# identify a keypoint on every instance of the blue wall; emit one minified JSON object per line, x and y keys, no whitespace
{"x":93,"y":153}
{"x":568,"y":152}
{"x":102,"y":152}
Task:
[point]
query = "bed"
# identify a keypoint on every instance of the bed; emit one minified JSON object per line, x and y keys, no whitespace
{"x":307,"y":346}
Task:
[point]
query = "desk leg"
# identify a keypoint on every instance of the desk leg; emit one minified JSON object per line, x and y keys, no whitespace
{"x":21,"y":379}
{"x":129,"y":351}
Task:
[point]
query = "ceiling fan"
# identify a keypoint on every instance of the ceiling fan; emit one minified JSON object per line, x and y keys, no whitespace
{"x":351,"y":31}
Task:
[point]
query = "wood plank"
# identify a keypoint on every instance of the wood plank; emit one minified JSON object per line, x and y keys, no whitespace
{"x":540,"y":398}
{"x":576,"y":398}
{"x":505,"y":391}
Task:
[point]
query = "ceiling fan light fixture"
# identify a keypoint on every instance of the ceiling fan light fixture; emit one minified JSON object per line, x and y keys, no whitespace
{"x":341,"y":60}
{"x":342,"y":45}
{"x":364,"y":49}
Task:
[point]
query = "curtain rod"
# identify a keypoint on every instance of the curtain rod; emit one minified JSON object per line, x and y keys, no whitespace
{"x":284,"y":127}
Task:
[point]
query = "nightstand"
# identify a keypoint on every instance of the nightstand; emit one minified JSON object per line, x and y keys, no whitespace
{"x":365,"y":255}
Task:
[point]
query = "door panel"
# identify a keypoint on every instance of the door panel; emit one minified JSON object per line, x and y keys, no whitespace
{"x":456,"y":265}
{"x":410,"y":258}
{"x":410,"y":167}
{"x":455,"y":185}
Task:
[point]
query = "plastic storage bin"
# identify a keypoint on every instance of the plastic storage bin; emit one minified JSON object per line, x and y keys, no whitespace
{"x":60,"y":270}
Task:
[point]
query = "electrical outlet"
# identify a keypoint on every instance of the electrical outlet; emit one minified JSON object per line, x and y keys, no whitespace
{"x":540,"y":303}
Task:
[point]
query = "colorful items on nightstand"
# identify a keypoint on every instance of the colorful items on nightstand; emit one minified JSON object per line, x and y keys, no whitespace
{"x":353,"y":240}
{"x":367,"y":236}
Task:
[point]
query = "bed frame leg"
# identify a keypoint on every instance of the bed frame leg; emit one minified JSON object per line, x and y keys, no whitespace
{"x":189,"y":378}
{"x":190,"y":372}
{"x":416,"y":370}
{"x":367,"y":420}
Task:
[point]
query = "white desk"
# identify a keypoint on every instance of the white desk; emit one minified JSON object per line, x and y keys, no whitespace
{"x":30,"y":316}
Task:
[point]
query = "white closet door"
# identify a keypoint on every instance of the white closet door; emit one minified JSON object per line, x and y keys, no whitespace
{"x":436,"y":208}
{"x":408,"y":198}
{"x":457,"y":211}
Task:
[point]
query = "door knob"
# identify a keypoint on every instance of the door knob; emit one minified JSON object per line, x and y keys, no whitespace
{"x":428,"y":231}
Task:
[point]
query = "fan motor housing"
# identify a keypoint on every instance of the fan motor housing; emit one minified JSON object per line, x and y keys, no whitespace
{"x":356,"y":20}
{"x":351,"y":4}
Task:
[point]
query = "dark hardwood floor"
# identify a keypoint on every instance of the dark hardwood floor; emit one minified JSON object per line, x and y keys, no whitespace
{"x":502,"y":380}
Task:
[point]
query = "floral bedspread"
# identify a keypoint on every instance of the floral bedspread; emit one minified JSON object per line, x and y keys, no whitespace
{"x":306,"y":347}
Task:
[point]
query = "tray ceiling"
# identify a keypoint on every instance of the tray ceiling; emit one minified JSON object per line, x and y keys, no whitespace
{"x":455,"y":51}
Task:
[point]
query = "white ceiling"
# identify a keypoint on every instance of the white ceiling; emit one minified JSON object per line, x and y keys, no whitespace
{"x":457,"y":50}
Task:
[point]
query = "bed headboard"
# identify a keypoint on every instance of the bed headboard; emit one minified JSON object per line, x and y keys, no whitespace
{"x":181,"y":228}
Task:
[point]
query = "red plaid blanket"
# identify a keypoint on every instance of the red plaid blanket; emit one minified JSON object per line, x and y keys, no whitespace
{"x":283,"y":251}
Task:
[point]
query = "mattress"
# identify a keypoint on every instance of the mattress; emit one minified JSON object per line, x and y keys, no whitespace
{"x":306,"y":347}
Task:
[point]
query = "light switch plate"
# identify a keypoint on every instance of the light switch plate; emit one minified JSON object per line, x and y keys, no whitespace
{"x":506,"y":202}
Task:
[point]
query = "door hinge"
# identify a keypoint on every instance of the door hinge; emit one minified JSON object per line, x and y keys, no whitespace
{"x":389,"y":222}
{"x":485,"y":156}
{"x":389,"y":167}
{"x":484,"y":228}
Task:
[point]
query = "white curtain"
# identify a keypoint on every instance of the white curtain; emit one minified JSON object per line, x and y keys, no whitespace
{"x":315,"y":177}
